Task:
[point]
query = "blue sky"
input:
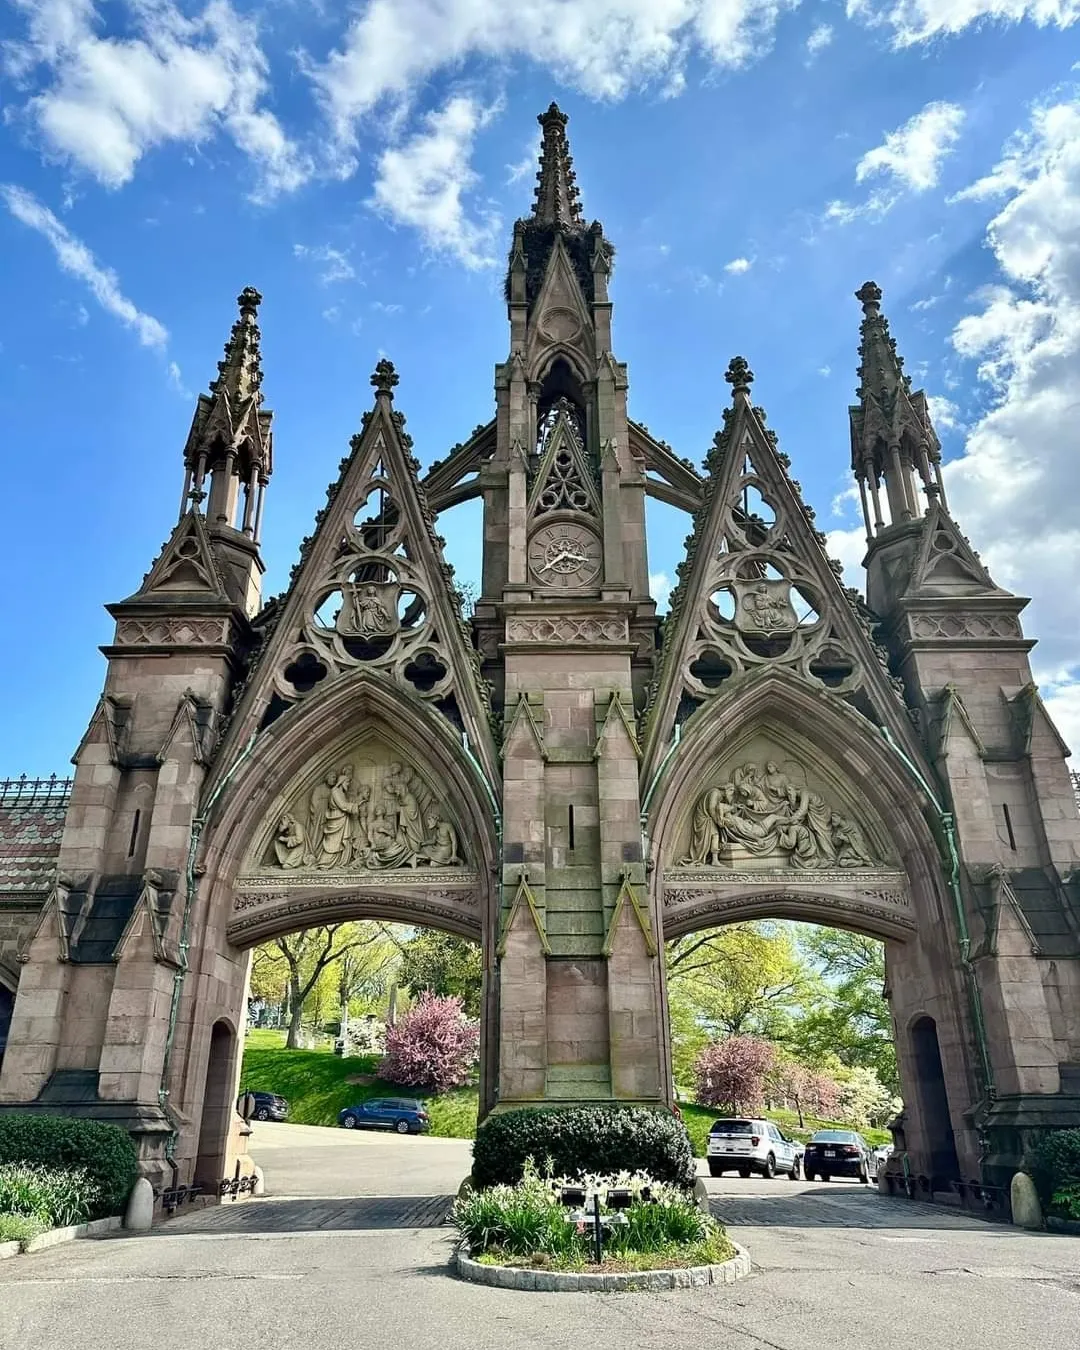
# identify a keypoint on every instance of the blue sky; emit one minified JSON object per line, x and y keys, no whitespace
{"x":753,"y":162}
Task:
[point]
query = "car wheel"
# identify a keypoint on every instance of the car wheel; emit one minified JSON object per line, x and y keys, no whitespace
{"x":769,"y":1170}
{"x":349,"y":1122}
{"x":715,"y":1171}
{"x":825,"y":1176}
{"x":744,"y":1172}
{"x":402,"y":1127}
{"x":796,"y":1171}
{"x":262,"y":1113}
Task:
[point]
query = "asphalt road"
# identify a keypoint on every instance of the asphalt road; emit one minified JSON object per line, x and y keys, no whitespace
{"x":359,"y":1259}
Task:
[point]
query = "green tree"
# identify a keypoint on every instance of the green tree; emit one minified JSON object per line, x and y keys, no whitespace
{"x":442,"y":964}
{"x":851,"y":1018}
{"x":308,"y":954}
{"x":745,"y":979}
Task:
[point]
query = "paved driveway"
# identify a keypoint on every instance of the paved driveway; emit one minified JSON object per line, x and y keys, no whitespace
{"x":837,"y":1267}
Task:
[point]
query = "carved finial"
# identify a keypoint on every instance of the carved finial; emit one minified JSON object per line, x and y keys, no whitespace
{"x":739,"y":375}
{"x":557,"y":198}
{"x":249,"y":301}
{"x":384,"y":378}
{"x":869,"y":296}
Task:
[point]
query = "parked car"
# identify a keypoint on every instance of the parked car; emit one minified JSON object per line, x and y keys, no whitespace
{"x":268,"y":1106}
{"x":746,"y":1146}
{"x":837,"y":1153}
{"x":403,"y":1114}
{"x":878,"y":1158}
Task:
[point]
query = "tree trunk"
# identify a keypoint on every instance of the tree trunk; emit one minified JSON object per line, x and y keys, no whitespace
{"x":296,"y":1008}
{"x":344,"y":1031}
{"x":391,"y":1010}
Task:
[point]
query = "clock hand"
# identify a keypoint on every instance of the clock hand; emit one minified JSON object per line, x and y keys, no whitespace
{"x":557,"y":559}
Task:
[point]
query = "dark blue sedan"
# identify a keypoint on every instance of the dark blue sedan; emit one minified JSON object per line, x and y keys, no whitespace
{"x":403,"y":1114}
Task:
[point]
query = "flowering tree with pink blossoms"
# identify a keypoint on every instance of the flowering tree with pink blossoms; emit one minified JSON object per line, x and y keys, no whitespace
{"x":732,"y":1073}
{"x":433,"y":1046}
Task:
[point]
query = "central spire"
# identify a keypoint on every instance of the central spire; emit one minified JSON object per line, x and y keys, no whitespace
{"x":557,"y":199}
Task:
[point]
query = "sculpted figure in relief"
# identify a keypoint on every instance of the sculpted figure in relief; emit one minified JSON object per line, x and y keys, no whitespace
{"x":392,"y":823}
{"x":761,"y":812}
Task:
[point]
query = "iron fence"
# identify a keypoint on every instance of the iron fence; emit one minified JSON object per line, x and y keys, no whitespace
{"x":24,"y":791}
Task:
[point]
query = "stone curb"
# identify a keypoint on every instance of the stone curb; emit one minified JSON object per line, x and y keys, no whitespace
{"x":570,"y":1282}
{"x":54,"y":1237}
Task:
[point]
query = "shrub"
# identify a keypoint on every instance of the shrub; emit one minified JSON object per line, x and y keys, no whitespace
{"x":575,"y":1140}
{"x":104,"y":1152}
{"x":731,"y":1074}
{"x":1054,"y":1162}
{"x":55,"y":1196}
{"x":1065,"y":1203}
{"x":18,"y":1228}
{"x":432,"y":1046}
{"x":518,"y":1220}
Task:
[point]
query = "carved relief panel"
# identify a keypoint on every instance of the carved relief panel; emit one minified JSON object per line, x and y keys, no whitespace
{"x":771,"y":811}
{"x":364,"y":812}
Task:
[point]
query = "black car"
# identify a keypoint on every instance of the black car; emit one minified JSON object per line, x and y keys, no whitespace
{"x":268,"y":1106}
{"x":837,"y":1153}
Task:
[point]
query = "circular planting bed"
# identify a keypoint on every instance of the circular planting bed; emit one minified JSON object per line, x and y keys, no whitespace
{"x":602,"y":1281}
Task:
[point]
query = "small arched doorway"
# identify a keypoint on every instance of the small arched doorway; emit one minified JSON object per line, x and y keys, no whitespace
{"x":933,"y":1103}
{"x":7,"y":1007}
{"x":222,"y":1077}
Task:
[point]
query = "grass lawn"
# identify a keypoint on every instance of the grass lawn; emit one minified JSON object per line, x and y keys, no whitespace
{"x":315,"y":1083}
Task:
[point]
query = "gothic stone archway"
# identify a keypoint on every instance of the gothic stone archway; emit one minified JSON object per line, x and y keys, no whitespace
{"x":781,"y":803}
{"x":355,"y":804}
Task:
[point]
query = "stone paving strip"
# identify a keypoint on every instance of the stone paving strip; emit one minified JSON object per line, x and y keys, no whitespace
{"x":306,"y":1215}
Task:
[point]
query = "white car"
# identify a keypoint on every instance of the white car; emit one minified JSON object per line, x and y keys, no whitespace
{"x":745,"y":1146}
{"x":878,"y":1158}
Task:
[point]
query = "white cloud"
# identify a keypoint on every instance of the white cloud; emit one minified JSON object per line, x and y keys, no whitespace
{"x":422,"y":182}
{"x":660,"y":588}
{"x":176,"y":380}
{"x":337,"y":266}
{"x":381,"y":307}
{"x":102,"y":102}
{"x":944,"y":413}
{"x":913,"y":153}
{"x":1063,"y":704}
{"x":909,"y":159}
{"x":1015,"y":487}
{"x":928,"y":303}
{"x":824,"y":371}
{"x":604,"y":48}
{"x":74,"y":257}
{"x":739,"y":265}
{"x":919,"y":20}
{"x":819,"y":39}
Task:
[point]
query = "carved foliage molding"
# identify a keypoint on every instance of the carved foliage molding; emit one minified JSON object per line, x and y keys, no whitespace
{"x":566,"y":628}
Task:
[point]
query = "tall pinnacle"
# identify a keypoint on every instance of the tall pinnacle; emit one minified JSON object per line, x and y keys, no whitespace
{"x":240,"y":373}
{"x":557,"y":199}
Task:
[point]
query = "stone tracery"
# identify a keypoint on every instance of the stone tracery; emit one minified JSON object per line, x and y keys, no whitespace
{"x":765,"y":811}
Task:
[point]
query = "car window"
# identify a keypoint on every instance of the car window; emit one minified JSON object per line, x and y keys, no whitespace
{"x":835,"y":1137}
{"x":373,"y":1105}
{"x":732,"y":1127}
{"x":774,"y":1133}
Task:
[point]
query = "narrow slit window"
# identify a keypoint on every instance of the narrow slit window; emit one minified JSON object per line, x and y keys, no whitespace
{"x":570,"y":825}
{"x":134,"y":833}
{"x":1008,"y":826}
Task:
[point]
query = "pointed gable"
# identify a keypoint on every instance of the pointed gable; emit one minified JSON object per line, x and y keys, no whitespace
{"x":757,"y":590}
{"x":564,"y":480}
{"x":372,"y":592}
{"x":946,"y":564}
{"x":185,"y":566}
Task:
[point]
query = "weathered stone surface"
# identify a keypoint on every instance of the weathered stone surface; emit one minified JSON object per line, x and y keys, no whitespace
{"x":1024,"y":1201}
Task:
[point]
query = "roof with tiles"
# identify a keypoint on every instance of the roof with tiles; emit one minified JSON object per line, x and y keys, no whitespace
{"x":32,"y":813}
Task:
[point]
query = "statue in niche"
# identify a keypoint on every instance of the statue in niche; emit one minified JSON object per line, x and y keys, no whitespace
{"x":290,"y":842}
{"x":369,"y":609}
{"x":764,"y":608}
{"x":761,"y":811}
{"x":366,"y":817}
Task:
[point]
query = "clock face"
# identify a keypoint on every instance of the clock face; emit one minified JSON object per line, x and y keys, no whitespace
{"x":565,"y":556}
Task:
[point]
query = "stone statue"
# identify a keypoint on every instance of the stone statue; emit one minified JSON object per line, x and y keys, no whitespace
{"x":290,"y":842}
{"x":335,"y":849}
{"x":851,"y":849}
{"x":442,"y":843}
{"x":760,"y":812}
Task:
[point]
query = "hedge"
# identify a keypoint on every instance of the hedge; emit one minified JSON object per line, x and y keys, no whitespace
{"x":577,"y":1140}
{"x":1055,"y":1160}
{"x":105,"y":1152}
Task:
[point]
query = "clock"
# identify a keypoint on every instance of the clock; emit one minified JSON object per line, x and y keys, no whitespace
{"x":565,"y":556}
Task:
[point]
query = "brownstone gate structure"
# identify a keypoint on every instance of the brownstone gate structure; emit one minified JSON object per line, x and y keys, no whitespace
{"x":563,"y":777}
